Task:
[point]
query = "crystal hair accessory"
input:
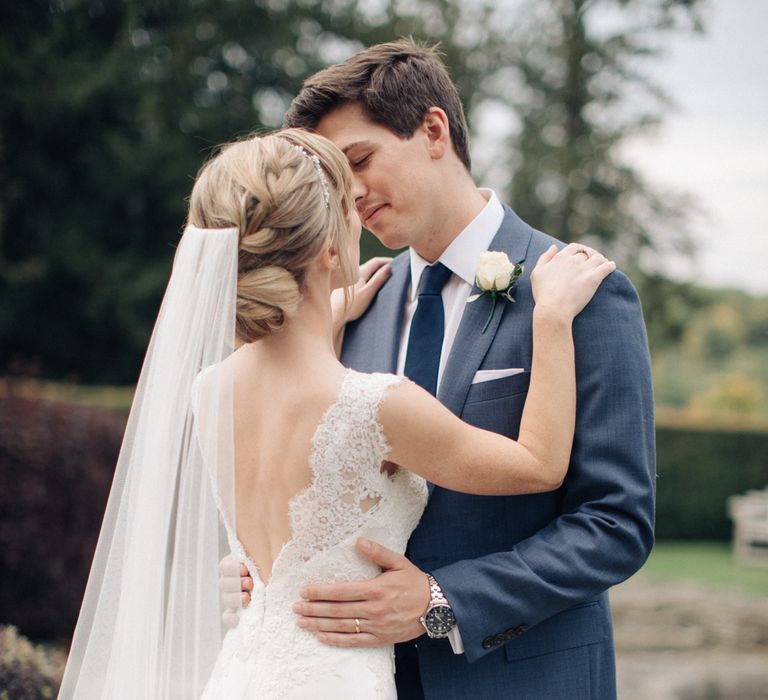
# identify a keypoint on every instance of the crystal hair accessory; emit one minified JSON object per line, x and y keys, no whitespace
{"x":316,"y":162}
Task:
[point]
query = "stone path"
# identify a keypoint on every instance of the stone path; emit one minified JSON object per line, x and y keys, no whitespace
{"x":681,"y":641}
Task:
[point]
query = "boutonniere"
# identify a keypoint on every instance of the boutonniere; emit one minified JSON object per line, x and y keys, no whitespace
{"x":496,"y":276}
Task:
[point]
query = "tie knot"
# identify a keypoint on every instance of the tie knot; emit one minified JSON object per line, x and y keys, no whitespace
{"x":433,"y":279}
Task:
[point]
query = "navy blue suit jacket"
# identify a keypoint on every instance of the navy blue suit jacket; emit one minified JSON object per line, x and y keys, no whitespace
{"x":527,"y":575}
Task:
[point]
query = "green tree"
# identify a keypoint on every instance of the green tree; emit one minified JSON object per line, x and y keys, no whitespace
{"x":668,"y":307}
{"x":107,"y":110}
{"x":729,"y":395}
{"x":715,"y":334}
{"x":579,"y":93}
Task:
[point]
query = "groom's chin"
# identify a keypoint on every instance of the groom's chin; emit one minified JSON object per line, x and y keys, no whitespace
{"x":391,"y":240}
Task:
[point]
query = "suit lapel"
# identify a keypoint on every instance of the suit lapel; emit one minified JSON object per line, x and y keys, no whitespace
{"x":471,"y":345}
{"x":391,"y":303}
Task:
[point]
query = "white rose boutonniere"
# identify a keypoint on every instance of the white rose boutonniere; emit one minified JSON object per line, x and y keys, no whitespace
{"x":496,"y":276}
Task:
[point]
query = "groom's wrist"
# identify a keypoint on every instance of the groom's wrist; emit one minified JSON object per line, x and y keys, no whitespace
{"x":438,"y":619}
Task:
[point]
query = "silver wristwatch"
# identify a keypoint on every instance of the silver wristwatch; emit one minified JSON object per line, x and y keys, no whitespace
{"x":438,"y":619}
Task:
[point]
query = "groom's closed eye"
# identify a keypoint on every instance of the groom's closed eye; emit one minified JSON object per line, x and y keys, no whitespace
{"x":358,"y":163}
{"x":358,"y":153}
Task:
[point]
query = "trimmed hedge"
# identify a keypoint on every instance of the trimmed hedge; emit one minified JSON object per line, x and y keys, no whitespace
{"x":56,"y":466}
{"x":698,"y":469}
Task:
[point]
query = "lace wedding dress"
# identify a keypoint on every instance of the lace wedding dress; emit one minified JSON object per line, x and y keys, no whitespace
{"x":267,"y":657}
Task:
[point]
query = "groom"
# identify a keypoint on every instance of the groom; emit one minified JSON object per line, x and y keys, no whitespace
{"x":518,"y":583}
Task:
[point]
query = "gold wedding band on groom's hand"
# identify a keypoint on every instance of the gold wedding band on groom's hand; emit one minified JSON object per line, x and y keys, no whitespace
{"x":357,"y":626}
{"x":582,"y":250}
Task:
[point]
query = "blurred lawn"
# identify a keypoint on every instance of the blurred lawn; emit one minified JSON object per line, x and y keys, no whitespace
{"x":112,"y":397}
{"x":708,"y":563}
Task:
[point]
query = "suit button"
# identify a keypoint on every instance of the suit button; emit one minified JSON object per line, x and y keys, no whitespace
{"x":487,"y":643}
{"x":521,"y":628}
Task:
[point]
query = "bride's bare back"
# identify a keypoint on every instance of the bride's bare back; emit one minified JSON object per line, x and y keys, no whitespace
{"x":276,"y":414}
{"x":308,"y":450}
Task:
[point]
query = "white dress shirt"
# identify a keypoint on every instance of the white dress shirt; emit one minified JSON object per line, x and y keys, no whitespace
{"x":461,"y":257}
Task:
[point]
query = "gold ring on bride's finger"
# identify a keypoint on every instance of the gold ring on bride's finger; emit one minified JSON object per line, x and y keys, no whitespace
{"x":582,"y":250}
{"x":357,"y":626}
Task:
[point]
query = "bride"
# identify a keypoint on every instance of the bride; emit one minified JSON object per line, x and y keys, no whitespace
{"x":248,"y":437}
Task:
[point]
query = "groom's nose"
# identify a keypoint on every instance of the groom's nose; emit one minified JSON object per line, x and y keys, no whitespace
{"x":358,"y":190}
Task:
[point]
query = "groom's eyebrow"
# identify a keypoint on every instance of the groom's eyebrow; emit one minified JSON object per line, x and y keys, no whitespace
{"x":354,"y":144}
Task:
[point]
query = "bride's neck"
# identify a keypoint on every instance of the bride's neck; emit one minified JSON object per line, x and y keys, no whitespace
{"x":307,"y":337}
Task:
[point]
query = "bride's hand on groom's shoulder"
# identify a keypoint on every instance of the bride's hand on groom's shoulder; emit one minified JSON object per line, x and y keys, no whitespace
{"x":564,"y":281}
{"x":373,"y":274}
{"x":235,"y":585}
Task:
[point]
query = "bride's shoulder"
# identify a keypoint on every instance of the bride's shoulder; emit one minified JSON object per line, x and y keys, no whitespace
{"x":407,"y":402}
{"x":374,"y":381}
{"x":381,"y":390}
{"x":209,"y":382}
{"x":362,"y":392}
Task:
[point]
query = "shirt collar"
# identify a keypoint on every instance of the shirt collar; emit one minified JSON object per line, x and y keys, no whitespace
{"x":463,"y":254}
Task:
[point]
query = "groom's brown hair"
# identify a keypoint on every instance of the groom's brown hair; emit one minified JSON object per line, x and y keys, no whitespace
{"x":394,"y":84}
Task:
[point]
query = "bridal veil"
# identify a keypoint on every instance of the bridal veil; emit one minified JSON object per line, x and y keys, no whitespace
{"x":150,"y":626}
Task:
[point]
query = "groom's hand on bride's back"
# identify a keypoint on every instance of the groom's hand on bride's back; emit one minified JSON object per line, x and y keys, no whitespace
{"x":372,"y":613}
{"x":235,"y":584}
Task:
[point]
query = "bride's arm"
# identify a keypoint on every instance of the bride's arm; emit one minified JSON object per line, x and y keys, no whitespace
{"x":426,"y":438}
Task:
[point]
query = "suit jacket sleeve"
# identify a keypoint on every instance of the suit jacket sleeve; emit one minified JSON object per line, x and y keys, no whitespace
{"x":605,"y":530}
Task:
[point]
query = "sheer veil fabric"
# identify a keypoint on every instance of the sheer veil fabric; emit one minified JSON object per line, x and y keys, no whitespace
{"x":150,"y":624}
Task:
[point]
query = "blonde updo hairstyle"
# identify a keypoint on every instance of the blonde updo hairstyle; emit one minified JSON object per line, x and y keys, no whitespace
{"x":272,"y":192}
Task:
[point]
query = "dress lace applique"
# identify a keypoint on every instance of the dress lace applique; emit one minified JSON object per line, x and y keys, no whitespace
{"x":267,"y":656}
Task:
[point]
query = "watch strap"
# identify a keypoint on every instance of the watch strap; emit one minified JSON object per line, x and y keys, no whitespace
{"x":436,"y":595}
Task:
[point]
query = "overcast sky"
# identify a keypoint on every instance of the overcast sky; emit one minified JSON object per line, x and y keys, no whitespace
{"x":715,"y":145}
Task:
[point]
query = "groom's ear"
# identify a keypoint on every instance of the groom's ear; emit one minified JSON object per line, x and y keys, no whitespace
{"x":436,"y":128}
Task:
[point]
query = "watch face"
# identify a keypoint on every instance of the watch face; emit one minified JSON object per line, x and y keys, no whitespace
{"x":440,"y":620}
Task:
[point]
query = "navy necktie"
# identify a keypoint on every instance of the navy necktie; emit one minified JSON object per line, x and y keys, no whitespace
{"x":425,"y":342}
